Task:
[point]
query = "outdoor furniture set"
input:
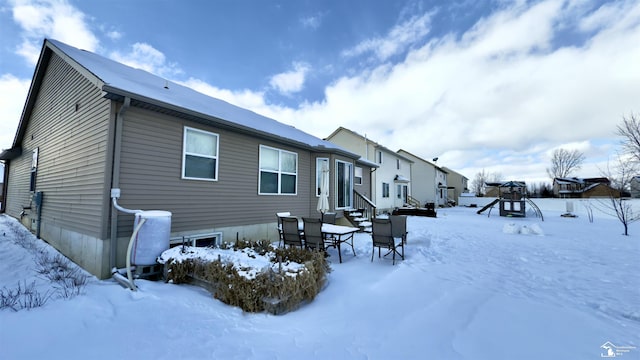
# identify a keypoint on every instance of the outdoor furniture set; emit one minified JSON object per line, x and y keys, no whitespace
{"x":322,"y":233}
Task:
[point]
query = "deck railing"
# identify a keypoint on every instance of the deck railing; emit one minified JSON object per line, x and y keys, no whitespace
{"x":413,"y":201}
{"x":362,"y":202}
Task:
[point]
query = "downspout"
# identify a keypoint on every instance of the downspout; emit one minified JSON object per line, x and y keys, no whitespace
{"x":115,"y":180}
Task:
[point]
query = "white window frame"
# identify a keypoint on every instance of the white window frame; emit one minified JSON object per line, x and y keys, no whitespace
{"x":379,"y":157}
{"x":385,"y":190}
{"x":338,"y":189}
{"x":216,"y":157}
{"x":357,"y":180}
{"x":34,"y":169}
{"x":319,"y":162}
{"x":279,"y":172}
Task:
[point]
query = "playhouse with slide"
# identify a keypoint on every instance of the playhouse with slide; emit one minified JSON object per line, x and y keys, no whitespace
{"x":512,"y":200}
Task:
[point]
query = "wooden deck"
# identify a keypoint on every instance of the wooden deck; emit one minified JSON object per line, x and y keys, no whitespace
{"x":415,"y":212}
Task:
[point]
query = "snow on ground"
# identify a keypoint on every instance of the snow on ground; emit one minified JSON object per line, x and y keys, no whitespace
{"x":471,"y":287}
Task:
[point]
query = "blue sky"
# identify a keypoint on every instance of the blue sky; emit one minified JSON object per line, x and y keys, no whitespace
{"x":493,"y":85}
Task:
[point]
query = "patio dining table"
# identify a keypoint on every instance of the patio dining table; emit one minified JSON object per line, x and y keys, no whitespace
{"x":338,"y":234}
{"x":335,"y":235}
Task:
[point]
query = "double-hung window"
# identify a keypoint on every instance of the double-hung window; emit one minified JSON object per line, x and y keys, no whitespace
{"x":344,"y":184}
{"x":278,"y":171}
{"x":200,"y":155}
{"x":357,"y":176}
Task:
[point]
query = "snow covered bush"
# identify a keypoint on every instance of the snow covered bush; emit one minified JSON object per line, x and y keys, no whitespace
{"x":253,"y":276}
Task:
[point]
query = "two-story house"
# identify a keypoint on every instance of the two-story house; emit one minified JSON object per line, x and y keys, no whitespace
{"x":583,"y":187}
{"x":457,"y":184}
{"x":391,"y":183}
{"x":429,"y":181}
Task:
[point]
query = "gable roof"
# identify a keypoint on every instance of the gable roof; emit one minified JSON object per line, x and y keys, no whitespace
{"x":376,"y":145}
{"x":118,"y":81}
{"x":416,"y":157}
{"x":581,"y":181}
{"x":448,"y":170}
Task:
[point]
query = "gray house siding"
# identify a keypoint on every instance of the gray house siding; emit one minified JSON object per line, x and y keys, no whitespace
{"x":69,"y":125}
{"x":72,"y":116}
{"x":150,"y":177}
{"x":365,"y":187}
{"x":313,"y":212}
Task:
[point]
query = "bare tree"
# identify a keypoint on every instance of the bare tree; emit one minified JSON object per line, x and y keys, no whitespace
{"x":478,"y":186}
{"x":564,"y":162}
{"x":630,"y":132}
{"x":616,"y":204}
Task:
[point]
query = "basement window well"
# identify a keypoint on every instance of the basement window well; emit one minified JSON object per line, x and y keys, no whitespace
{"x":198,"y":240}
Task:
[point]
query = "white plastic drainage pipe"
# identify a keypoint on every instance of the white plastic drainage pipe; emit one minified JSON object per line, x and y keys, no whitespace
{"x":128,"y":282}
{"x":128,"y":261}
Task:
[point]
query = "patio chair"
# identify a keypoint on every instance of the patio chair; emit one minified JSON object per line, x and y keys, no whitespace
{"x":329,"y":218}
{"x":313,"y":236}
{"x":290,"y":232}
{"x":382,"y":236}
{"x":399,"y":227}
{"x":279,"y":216}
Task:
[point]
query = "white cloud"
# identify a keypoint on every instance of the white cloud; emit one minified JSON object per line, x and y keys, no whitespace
{"x":13,"y":92}
{"x":291,"y":81}
{"x":312,"y":22}
{"x":244,"y":98}
{"x":114,"y":35}
{"x":146,"y":57}
{"x":397,"y":40}
{"x":55,"y":19}
{"x":499,"y":96}
{"x":501,"y":86}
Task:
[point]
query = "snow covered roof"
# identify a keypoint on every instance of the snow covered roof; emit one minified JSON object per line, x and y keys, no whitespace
{"x":377,"y":145}
{"x":401,"y":178}
{"x":575,"y":180}
{"x":366,"y":162}
{"x":118,"y":81}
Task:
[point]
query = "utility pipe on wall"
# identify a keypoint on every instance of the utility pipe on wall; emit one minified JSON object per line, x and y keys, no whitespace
{"x":115,"y":180}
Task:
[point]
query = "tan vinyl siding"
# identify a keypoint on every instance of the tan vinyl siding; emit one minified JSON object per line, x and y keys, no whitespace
{"x":150,"y":177}
{"x":18,"y":194}
{"x":69,"y":124}
{"x":365,"y":187}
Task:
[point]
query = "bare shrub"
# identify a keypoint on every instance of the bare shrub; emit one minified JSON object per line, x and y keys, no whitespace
{"x":67,"y":279}
{"x":23,"y":297}
{"x":274,"y":291}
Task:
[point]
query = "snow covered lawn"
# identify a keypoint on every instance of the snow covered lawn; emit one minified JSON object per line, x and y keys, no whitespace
{"x":471,"y":287}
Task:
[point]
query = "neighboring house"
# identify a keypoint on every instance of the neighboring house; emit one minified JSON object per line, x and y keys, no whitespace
{"x":635,"y":187}
{"x":391,"y":183}
{"x":91,"y":124}
{"x":505,"y":188}
{"x":457,"y":184}
{"x":583,"y":188}
{"x":429,"y":181}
